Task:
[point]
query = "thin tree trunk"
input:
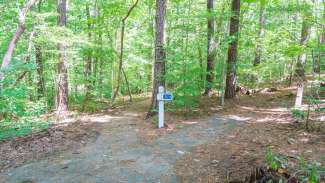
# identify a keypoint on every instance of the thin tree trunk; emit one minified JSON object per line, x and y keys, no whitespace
{"x":101,"y":76}
{"x":300,"y":71}
{"x":219,"y":33}
{"x":232,"y":51}
{"x":201,"y":84}
{"x":88,"y":66}
{"x":160,"y":55}
{"x":127,"y":85}
{"x":152,"y":38}
{"x":40,"y":69}
{"x":122,"y":51}
{"x":321,"y":54}
{"x":261,"y":31}
{"x":101,"y":66}
{"x":20,"y":30}
{"x":95,"y":71}
{"x":291,"y":71}
{"x":62,"y":82}
{"x":211,"y":48}
{"x":39,"y":64}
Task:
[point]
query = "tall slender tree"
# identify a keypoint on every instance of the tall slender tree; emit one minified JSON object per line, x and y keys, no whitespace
{"x":232,"y":50}
{"x":40,"y":69}
{"x":261,"y":31}
{"x":211,"y":48}
{"x":62,"y":76}
{"x":160,"y":54}
{"x":89,"y":58}
{"x":321,"y":54}
{"x":39,"y":63}
{"x":120,"y":67}
{"x":300,"y":70}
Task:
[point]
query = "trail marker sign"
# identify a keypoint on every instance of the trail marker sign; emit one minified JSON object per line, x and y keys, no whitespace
{"x":162,"y":97}
{"x":167,"y":96}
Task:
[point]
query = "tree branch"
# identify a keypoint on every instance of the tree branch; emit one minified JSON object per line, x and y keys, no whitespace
{"x":20,"y":30}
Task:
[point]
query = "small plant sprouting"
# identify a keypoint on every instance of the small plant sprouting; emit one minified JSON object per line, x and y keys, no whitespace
{"x":275,"y":161}
{"x":311,"y":171}
{"x":298,"y":114}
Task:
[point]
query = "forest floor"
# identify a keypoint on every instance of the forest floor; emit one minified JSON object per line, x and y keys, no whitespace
{"x":209,"y":145}
{"x":269,"y":123}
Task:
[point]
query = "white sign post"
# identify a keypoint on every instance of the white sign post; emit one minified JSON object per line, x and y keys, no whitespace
{"x":161,"y":91}
{"x":162,"y":97}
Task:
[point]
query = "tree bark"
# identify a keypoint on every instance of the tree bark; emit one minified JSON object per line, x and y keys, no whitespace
{"x":261,"y":32}
{"x":211,"y":48}
{"x":62,"y":82}
{"x":160,"y":55}
{"x":122,"y":51}
{"x":300,"y":71}
{"x":20,"y":30}
{"x":201,"y":84}
{"x":232,"y":50}
{"x":40,"y":69}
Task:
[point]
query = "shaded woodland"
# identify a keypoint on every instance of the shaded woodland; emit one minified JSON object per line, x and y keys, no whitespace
{"x":63,"y":59}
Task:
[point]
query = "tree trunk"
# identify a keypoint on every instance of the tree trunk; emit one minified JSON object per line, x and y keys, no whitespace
{"x":88,"y":66}
{"x":101,"y":66}
{"x":300,"y":71}
{"x":40,"y":68}
{"x":39,"y":64}
{"x":320,"y":56}
{"x":160,"y":55}
{"x":62,"y":82}
{"x":232,"y":50}
{"x":127,"y":85}
{"x":201,"y":83}
{"x":211,"y":48}
{"x":261,"y":31}
{"x":20,"y":30}
{"x":291,"y":71}
{"x":122,"y":51}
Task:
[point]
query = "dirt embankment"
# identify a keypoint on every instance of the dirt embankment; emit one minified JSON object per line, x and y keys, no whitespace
{"x":35,"y":146}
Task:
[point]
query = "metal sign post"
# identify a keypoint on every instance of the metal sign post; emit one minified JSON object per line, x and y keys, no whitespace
{"x":162,"y":97}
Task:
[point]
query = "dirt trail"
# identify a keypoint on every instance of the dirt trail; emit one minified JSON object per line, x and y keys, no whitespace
{"x":120,"y":155}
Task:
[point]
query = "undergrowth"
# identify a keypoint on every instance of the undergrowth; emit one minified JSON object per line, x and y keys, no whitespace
{"x":305,"y":172}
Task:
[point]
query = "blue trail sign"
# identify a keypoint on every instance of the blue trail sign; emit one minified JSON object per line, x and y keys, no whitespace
{"x":167,"y":96}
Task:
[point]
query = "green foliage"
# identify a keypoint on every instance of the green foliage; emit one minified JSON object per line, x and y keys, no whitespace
{"x":275,"y":161}
{"x":293,"y":50}
{"x":298,"y":114}
{"x":311,"y":171}
{"x":186,"y":47}
{"x":22,"y":127}
{"x":307,"y":172}
{"x":20,"y":115}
